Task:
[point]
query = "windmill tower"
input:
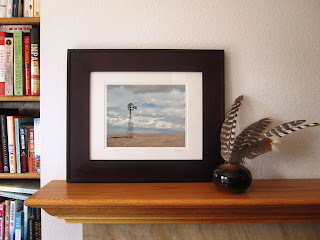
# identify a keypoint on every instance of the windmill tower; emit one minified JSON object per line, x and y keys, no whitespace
{"x":130,"y":132}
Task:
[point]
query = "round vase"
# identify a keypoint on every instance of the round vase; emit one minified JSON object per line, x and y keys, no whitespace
{"x":232,"y":178}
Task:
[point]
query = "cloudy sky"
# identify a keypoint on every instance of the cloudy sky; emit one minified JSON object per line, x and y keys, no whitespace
{"x":160,"y":108}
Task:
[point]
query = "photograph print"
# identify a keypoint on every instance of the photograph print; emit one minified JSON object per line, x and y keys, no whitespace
{"x":145,"y":115}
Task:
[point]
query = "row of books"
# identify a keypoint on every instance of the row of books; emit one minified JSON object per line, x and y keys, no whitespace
{"x":19,"y":8}
{"x":18,"y":221}
{"x":19,"y":60}
{"x":20,"y":143}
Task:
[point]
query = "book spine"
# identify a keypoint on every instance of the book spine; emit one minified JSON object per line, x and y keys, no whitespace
{"x":18,"y":225}
{"x":36,"y":8}
{"x":3,"y":8}
{"x":1,"y":159}
{"x":18,"y":70}
{"x":24,"y":150}
{"x":37,"y":144}
{"x":30,"y":6}
{"x":2,"y":214}
{"x":20,"y":8}
{"x":9,"y":65}
{"x":2,"y":63}
{"x":15,"y":8}
{"x":9,"y":8}
{"x":17,"y":144}
{"x":26,"y":215}
{"x":7,"y":220}
{"x":26,"y":8}
{"x":37,"y":224}
{"x":31,"y":158}
{"x":35,"y":61}
{"x":4,"y":142}
{"x":11,"y":144}
{"x":27,"y":65}
{"x":31,"y":228}
{"x":12,"y":219}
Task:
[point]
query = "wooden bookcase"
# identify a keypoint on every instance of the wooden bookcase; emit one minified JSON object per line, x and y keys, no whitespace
{"x":29,"y":103}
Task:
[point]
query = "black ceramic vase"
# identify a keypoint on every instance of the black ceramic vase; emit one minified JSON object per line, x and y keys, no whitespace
{"x":232,"y":178}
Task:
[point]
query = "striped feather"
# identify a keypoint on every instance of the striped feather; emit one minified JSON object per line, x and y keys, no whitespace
{"x":291,"y":130}
{"x":281,"y":129}
{"x":228,"y":129}
{"x":257,"y":148}
{"x":252,"y":133}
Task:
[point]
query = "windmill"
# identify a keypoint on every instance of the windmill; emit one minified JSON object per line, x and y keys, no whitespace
{"x":130,"y":132}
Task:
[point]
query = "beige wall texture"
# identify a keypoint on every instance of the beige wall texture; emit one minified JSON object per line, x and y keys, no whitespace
{"x":272,"y":56}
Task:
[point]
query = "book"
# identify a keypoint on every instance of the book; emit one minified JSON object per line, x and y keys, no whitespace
{"x":7,"y":220}
{"x":24,"y":150}
{"x":18,"y":122}
{"x":17,"y":10}
{"x":8,"y":64}
{"x":30,"y":6}
{"x":27,"y":64}
{"x":35,"y":61}
{"x":37,"y":144}
{"x":31,"y":235}
{"x":3,"y":8}
{"x":26,"y":215}
{"x":2,"y":219}
{"x":12,"y":28}
{"x":37,"y":223}
{"x":31,"y":157}
{"x":29,"y":186}
{"x":9,"y":8}
{"x":14,"y":195}
{"x":18,"y":225}
{"x":2,"y":63}
{"x":15,"y":206}
{"x":17,"y":59}
{"x":4,"y":143}
{"x":36,"y":8}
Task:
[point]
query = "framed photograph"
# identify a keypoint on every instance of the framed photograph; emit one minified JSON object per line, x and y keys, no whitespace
{"x":144,"y":115}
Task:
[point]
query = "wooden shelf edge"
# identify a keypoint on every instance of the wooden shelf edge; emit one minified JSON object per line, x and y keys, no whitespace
{"x":19,"y":98}
{"x":19,"y":176}
{"x":20,"y":20}
{"x":126,"y":203}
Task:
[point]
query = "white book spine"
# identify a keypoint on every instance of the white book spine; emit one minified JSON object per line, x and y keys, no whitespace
{"x":11,"y":143}
{"x":36,"y":8}
{"x":3,"y":8}
{"x":26,"y":8}
{"x":9,"y":66}
{"x":30,"y":6}
{"x":2,"y":63}
{"x":9,"y":8}
{"x":15,"y":206}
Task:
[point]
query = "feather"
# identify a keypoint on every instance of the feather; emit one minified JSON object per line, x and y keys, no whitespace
{"x":281,"y":129}
{"x":266,"y":144}
{"x":228,"y":129}
{"x":247,"y":137}
{"x":257,"y":148}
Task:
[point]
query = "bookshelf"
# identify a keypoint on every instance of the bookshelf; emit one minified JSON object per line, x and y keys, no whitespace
{"x":26,"y":104}
{"x":267,"y":200}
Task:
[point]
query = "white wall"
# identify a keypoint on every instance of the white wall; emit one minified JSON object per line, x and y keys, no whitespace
{"x":272,"y":52}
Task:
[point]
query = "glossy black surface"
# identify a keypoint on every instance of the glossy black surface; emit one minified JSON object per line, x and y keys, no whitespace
{"x":232,"y":178}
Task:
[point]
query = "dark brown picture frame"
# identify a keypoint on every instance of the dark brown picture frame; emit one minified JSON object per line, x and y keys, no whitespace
{"x":81,"y":62}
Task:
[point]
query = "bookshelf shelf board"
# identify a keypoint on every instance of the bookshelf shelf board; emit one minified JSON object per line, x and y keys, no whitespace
{"x":19,"y":176}
{"x":285,"y":200}
{"x":19,"y":98}
{"x":20,"y":20}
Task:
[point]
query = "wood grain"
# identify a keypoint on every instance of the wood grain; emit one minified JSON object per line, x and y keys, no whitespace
{"x":20,"y":20}
{"x":265,"y":201}
{"x":19,"y":98}
{"x":19,"y":176}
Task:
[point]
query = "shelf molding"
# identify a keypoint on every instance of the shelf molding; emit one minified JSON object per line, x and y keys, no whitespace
{"x":286,"y":200}
{"x":19,"y":176}
{"x":20,"y":20}
{"x":19,"y":98}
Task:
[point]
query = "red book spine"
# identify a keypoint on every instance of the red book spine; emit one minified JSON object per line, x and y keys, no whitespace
{"x":2,"y":63}
{"x":31,"y":157}
{"x":27,"y":65}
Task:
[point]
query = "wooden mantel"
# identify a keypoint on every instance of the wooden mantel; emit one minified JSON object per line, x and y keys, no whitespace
{"x":266,"y":201}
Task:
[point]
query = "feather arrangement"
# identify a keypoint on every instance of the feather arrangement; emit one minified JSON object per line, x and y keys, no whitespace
{"x":253,"y":140}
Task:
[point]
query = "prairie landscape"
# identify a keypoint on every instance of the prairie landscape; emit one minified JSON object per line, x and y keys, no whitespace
{"x":147,"y":140}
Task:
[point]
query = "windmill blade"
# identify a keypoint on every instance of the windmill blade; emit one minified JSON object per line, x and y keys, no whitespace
{"x":228,"y":129}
